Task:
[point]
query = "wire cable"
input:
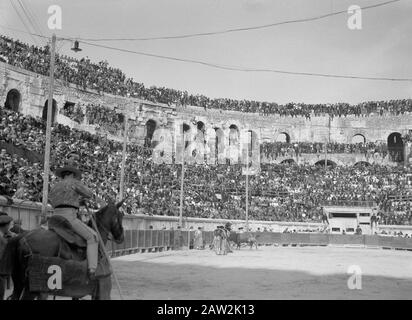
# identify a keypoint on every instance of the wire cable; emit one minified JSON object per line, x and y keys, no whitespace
{"x":245,"y":69}
{"x":24,"y":22}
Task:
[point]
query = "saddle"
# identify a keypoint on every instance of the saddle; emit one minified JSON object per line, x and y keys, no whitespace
{"x":62,"y":227}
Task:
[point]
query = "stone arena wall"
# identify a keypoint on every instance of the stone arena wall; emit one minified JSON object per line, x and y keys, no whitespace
{"x":33,"y":90}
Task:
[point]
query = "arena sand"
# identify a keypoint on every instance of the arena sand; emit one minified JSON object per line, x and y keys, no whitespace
{"x":266,"y":273}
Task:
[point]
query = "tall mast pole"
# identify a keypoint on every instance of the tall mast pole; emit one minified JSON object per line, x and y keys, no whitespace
{"x":48,"y":129}
{"x":247,"y":184}
{"x":182,"y":179}
{"x":123,"y":157}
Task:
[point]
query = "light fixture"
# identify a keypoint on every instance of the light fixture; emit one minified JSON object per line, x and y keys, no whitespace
{"x":76,"y":46}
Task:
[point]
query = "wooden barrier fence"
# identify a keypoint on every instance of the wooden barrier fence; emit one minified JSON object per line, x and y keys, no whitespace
{"x":162,"y":240}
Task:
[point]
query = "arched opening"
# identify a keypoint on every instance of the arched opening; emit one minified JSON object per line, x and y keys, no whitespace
{"x":395,"y":146}
{"x":283,"y":137}
{"x":200,"y":126}
{"x":54,"y":111}
{"x":220,"y":146}
{"x":329,"y":163}
{"x":251,"y":149}
{"x":362,"y":164}
{"x":186,"y":131}
{"x":200,"y":134}
{"x":150,"y":128}
{"x":186,"y":128}
{"x":199,"y":142}
{"x":13,"y":100}
{"x":288,"y":161}
{"x":358,"y":138}
{"x":234,"y":144}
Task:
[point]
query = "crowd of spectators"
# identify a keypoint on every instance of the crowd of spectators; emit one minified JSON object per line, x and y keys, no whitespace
{"x":74,"y":112}
{"x":107,"y":119}
{"x":101,"y":77}
{"x":297,"y":192}
{"x":273,"y":150}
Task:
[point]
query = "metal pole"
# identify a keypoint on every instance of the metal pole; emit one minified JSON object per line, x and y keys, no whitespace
{"x":123,"y":158}
{"x":48,"y":129}
{"x":326,"y":145}
{"x":182,"y":180}
{"x":247,"y":185}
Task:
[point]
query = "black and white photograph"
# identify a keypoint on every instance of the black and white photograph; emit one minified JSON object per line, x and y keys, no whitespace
{"x":205,"y":155}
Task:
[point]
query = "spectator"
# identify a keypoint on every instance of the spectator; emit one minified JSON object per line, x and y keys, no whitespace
{"x":103,"y":78}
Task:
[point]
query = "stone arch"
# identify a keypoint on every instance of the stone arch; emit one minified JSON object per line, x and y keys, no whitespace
{"x":234,"y":143}
{"x":186,"y":127}
{"x":288,"y":161}
{"x":395,"y":146}
{"x":329,"y":163}
{"x":283,"y":137}
{"x":199,"y":142}
{"x":54,"y":111}
{"x":362,"y":163}
{"x":220,"y":146}
{"x":200,"y":135}
{"x":186,"y":132}
{"x":13,"y":100}
{"x":150,"y":127}
{"x":200,"y":126}
{"x":358,"y":138}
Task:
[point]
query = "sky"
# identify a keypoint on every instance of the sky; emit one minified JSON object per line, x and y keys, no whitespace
{"x":382,"y":48}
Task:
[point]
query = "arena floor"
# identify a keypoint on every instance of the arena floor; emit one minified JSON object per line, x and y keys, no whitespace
{"x":266,"y":273}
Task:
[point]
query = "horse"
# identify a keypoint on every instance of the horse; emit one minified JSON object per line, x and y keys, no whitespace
{"x":5,"y":280}
{"x":47,"y":243}
{"x":219,"y":241}
{"x":239,"y":238}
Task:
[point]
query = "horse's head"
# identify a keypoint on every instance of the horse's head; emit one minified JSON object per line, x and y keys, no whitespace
{"x":110,"y":219}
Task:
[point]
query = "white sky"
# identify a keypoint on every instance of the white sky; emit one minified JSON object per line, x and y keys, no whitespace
{"x":381,"y":49}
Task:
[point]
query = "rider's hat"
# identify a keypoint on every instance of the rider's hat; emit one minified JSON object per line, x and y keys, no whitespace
{"x":5,"y":219}
{"x":69,"y":167}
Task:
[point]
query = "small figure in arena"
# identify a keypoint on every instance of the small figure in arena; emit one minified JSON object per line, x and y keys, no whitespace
{"x":228,"y":228}
{"x":5,"y":235}
{"x":219,"y":241}
{"x":374,"y":222}
{"x":66,"y":197}
{"x":198,"y":243}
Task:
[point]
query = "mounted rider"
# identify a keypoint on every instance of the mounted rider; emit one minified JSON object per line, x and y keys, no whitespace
{"x":66,"y":196}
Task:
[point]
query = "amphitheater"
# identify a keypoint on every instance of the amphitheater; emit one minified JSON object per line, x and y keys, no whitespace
{"x":158,"y":262}
{"x":26,"y":92}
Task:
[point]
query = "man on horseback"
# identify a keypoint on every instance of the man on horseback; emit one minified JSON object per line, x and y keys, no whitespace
{"x":66,"y":196}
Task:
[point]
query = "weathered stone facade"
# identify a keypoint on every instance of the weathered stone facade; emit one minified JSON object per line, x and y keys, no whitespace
{"x":33,"y":90}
